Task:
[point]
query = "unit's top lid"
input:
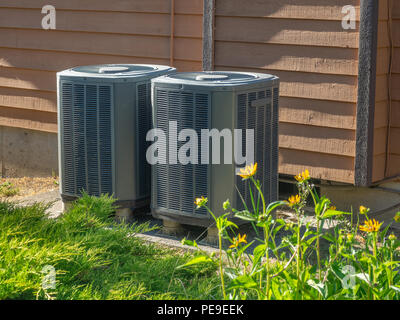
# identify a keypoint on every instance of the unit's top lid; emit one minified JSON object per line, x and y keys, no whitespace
{"x":215,"y":79}
{"x":119,"y":71}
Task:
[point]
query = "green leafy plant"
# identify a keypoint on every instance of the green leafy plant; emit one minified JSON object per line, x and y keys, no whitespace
{"x":55,"y":178}
{"x":7,"y":189}
{"x":362,"y":261}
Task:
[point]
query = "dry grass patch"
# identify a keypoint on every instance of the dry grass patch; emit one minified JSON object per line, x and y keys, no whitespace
{"x":18,"y":188}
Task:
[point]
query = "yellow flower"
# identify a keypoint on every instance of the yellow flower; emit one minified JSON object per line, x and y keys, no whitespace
{"x":397,"y":217}
{"x":371,"y":226}
{"x":226,"y":205}
{"x":364,"y":210}
{"x":293,"y":200}
{"x":350,"y":237}
{"x":304,"y":176}
{"x":299,"y":178}
{"x":238,"y":240}
{"x":392,"y":237}
{"x":248,"y":171}
{"x":199,"y":202}
{"x":333,"y":208}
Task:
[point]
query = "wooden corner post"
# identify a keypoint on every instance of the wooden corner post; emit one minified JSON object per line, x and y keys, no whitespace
{"x":208,"y":34}
{"x":366,"y":92}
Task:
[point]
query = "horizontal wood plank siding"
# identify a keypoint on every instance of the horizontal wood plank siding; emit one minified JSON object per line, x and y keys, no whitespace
{"x":141,"y":6}
{"x":88,"y":32}
{"x":287,"y":9}
{"x":303,"y":43}
{"x":324,"y":166}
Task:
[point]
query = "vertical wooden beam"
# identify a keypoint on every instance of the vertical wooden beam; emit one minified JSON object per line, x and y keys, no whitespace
{"x":366,"y":92}
{"x":208,"y":34}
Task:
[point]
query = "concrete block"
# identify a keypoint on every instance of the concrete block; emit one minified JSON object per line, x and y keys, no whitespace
{"x":27,"y":153}
{"x":124,"y":215}
{"x":66,"y":205}
{"x":172,"y":228}
{"x":212,"y":236}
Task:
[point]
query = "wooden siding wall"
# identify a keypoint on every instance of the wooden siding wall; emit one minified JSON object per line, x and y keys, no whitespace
{"x":88,"y":32}
{"x":381,"y":100}
{"x":387,"y":109}
{"x":303,"y":43}
{"x":394,"y":143}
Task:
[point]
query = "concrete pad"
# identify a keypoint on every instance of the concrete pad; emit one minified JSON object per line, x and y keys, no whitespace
{"x":53,"y":197}
{"x":383,"y":200}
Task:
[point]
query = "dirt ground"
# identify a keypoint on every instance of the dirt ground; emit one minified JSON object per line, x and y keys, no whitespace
{"x":26,"y":186}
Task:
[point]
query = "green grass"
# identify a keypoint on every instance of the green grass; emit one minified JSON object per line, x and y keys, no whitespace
{"x":94,"y":257}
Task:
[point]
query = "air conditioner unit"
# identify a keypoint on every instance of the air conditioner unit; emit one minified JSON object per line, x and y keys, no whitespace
{"x":104,"y":113}
{"x":213,"y":100}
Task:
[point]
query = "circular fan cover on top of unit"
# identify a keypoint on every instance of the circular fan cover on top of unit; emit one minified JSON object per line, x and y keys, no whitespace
{"x":117,"y":72}
{"x":219,"y":76}
{"x":216,"y":79}
{"x":114,"y":69}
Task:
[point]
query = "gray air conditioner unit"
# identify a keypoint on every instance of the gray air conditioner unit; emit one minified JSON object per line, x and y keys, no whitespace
{"x":213,"y":100}
{"x":104,"y":113}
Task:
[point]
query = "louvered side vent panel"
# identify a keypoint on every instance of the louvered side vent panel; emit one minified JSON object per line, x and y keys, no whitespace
{"x":91,"y":141}
{"x":105,"y":139}
{"x":179,"y":184}
{"x":68,"y":170}
{"x":241,"y":124}
{"x":79,"y":137}
{"x":259,"y":119}
{"x":275,"y":147}
{"x":144,"y":125}
{"x":202,"y":111}
{"x":174,"y":179}
{"x":161,"y":170}
{"x":186,"y":173}
{"x":86,"y":138}
{"x":268,"y":145}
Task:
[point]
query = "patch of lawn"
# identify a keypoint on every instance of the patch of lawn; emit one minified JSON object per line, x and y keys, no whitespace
{"x":94,"y":257}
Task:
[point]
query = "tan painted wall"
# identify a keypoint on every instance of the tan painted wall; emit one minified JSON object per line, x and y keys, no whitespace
{"x":88,"y":32}
{"x":304,"y":44}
